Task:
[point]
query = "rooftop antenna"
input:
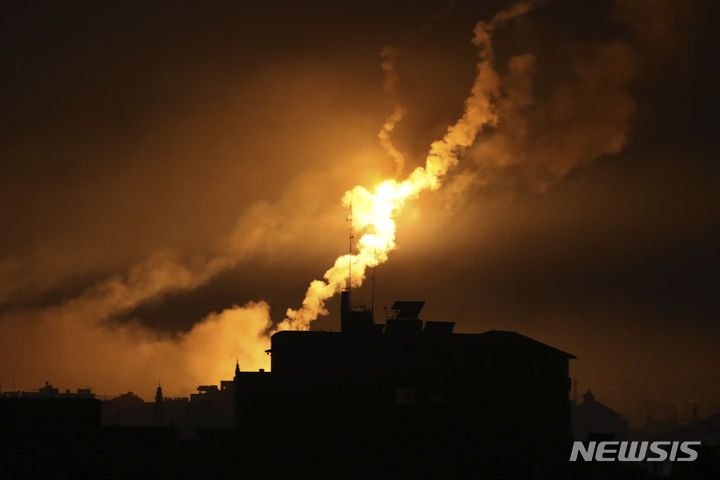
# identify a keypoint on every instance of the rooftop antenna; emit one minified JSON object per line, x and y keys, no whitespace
{"x":350,"y":248}
{"x":372,"y":298}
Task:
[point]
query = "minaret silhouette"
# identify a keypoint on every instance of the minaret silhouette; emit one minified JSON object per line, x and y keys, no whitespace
{"x":237,"y":368}
{"x":159,"y":408}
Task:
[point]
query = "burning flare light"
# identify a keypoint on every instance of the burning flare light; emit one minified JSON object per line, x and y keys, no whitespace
{"x":374,"y":210}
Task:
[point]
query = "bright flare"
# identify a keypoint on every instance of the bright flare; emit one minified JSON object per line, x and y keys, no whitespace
{"x":374,"y":210}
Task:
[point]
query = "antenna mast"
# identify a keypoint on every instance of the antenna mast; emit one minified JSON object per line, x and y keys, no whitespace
{"x":374,"y":272}
{"x":350,"y":248}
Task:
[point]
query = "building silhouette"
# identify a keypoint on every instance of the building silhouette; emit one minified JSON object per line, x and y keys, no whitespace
{"x":406,"y":398}
{"x":49,"y":391}
{"x":592,"y":419}
{"x":210,"y":408}
{"x":410,"y":396}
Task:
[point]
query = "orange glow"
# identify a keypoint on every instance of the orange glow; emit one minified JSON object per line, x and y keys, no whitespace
{"x":374,"y":210}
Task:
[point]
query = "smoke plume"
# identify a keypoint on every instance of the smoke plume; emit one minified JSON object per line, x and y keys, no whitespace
{"x":389,"y":56}
{"x":373,"y":211}
{"x":544,"y":135}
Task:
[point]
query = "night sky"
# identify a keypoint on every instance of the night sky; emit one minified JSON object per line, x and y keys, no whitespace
{"x":161,"y":164}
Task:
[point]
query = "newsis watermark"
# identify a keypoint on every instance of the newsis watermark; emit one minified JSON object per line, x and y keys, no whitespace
{"x":635,"y":451}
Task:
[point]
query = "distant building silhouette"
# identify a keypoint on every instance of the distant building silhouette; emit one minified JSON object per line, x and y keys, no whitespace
{"x":44,"y":430}
{"x":212,"y":407}
{"x":208,"y":409}
{"x":593,"y":419}
{"x":49,"y":391}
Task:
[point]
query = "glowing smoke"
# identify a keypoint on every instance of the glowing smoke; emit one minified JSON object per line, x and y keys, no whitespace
{"x":374,"y":211}
{"x":74,"y":340}
{"x":389,"y":56}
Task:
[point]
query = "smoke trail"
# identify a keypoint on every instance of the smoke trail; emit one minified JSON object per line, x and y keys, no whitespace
{"x":545,"y":135}
{"x":374,"y":211}
{"x":110,"y":355}
{"x":92,"y":349}
{"x":389,"y":56}
{"x":67,"y":345}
